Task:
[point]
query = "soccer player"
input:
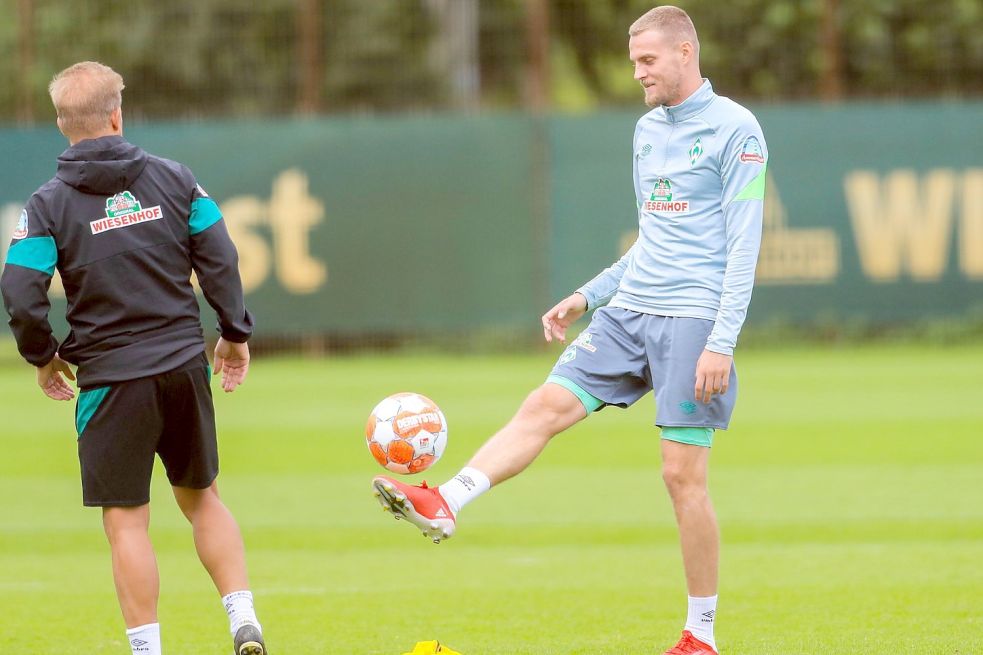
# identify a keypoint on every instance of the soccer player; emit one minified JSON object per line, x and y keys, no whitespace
{"x":125,"y":230}
{"x":668,"y":312}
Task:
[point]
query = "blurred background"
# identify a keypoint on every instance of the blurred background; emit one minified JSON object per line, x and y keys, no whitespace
{"x":412,"y":181}
{"x":442,"y":171}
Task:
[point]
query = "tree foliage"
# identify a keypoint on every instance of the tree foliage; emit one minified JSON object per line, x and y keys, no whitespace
{"x":187,"y":58}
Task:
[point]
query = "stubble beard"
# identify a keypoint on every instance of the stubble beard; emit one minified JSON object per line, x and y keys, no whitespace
{"x":663,"y":98}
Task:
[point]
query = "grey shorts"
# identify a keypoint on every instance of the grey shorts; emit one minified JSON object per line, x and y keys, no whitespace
{"x":622,"y":355}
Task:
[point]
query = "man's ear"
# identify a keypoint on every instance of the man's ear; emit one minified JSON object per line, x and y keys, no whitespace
{"x":116,"y":120}
{"x":687,"y":51}
{"x":61,"y":128}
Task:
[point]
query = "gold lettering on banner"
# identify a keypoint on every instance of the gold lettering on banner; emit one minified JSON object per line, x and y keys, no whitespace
{"x":626,"y":241}
{"x":57,"y":288}
{"x":971,"y":225}
{"x":293,"y":213}
{"x":287,"y":219}
{"x":290,"y":215}
{"x":242,"y":215}
{"x":799,"y":256}
{"x":9,"y":215}
{"x":903,"y":223}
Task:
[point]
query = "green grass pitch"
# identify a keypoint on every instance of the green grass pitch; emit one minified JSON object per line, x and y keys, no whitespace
{"x":849,"y":491}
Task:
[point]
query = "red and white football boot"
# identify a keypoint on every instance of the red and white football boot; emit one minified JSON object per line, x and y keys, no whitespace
{"x":421,"y":505}
{"x":690,"y":645}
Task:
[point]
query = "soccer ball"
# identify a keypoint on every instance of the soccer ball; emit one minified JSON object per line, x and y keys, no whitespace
{"x":406,"y":433}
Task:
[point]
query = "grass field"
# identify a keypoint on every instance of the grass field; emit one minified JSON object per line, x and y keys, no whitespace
{"x":849,"y":490}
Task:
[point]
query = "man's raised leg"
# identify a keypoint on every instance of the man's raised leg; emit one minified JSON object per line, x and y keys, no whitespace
{"x":546,"y":412}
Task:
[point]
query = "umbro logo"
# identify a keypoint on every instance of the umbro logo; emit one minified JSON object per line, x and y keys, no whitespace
{"x":138,"y":644}
{"x":441,"y":514}
{"x":708,"y":616}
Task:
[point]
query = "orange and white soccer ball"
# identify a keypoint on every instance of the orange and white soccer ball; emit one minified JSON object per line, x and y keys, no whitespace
{"x":406,"y":433}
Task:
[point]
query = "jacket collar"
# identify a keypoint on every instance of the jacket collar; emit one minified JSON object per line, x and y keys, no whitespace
{"x":691,"y":106}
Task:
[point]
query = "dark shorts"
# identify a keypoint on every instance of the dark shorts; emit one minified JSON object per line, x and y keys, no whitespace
{"x":622,"y":355}
{"x":122,"y":426}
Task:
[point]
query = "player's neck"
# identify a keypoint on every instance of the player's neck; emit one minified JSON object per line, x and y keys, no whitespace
{"x":76,"y":138}
{"x":689,"y":86}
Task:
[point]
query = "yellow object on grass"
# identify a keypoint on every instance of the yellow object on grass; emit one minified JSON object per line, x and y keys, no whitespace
{"x":431,"y":648}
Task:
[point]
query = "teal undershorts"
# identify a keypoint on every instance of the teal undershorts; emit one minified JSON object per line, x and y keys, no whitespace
{"x":687,"y":435}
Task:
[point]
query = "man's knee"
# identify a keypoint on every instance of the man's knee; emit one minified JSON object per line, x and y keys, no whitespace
{"x":190,"y":501}
{"x":117,"y":521}
{"x":676,"y":475}
{"x":551,"y":408}
{"x":684,"y":469}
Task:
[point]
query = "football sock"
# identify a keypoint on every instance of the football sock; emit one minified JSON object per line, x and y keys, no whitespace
{"x":239,"y":606}
{"x":699,"y":618}
{"x":144,"y":639}
{"x":464,"y":487}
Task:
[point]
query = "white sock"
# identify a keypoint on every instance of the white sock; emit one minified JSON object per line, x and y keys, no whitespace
{"x":239,"y":607}
{"x":699,"y":618}
{"x":464,"y":487}
{"x":144,"y":639}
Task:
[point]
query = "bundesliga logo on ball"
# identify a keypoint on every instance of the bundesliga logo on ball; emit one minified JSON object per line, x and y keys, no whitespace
{"x":406,"y":433}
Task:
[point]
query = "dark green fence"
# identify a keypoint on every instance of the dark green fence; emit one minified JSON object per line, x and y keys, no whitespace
{"x":448,"y":224}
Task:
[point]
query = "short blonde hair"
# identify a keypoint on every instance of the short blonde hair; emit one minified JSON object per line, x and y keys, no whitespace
{"x":85,"y":95}
{"x":671,"y":20}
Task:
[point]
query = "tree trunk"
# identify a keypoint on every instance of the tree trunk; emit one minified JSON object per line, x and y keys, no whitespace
{"x":310,"y":55}
{"x":831,"y":82}
{"x":537,"y":91}
{"x":25,"y":61}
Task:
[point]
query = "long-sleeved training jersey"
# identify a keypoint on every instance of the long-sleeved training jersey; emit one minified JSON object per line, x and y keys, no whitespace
{"x":699,"y":171}
{"x":125,"y":229}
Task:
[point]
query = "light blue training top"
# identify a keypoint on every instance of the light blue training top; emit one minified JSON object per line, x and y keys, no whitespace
{"x":699,"y":170}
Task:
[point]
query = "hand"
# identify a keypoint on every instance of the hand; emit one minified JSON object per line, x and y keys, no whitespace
{"x":232,"y":361}
{"x":563,"y":315}
{"x":51,"y":381}
{"x":712,"y":375}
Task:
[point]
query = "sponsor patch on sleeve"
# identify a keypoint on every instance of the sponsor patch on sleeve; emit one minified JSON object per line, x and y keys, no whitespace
{"x":751,"y":151}
{"x":21,"y":230}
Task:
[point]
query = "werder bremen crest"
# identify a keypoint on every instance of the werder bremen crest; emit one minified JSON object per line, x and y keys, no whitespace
{"x":695,"y":151}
